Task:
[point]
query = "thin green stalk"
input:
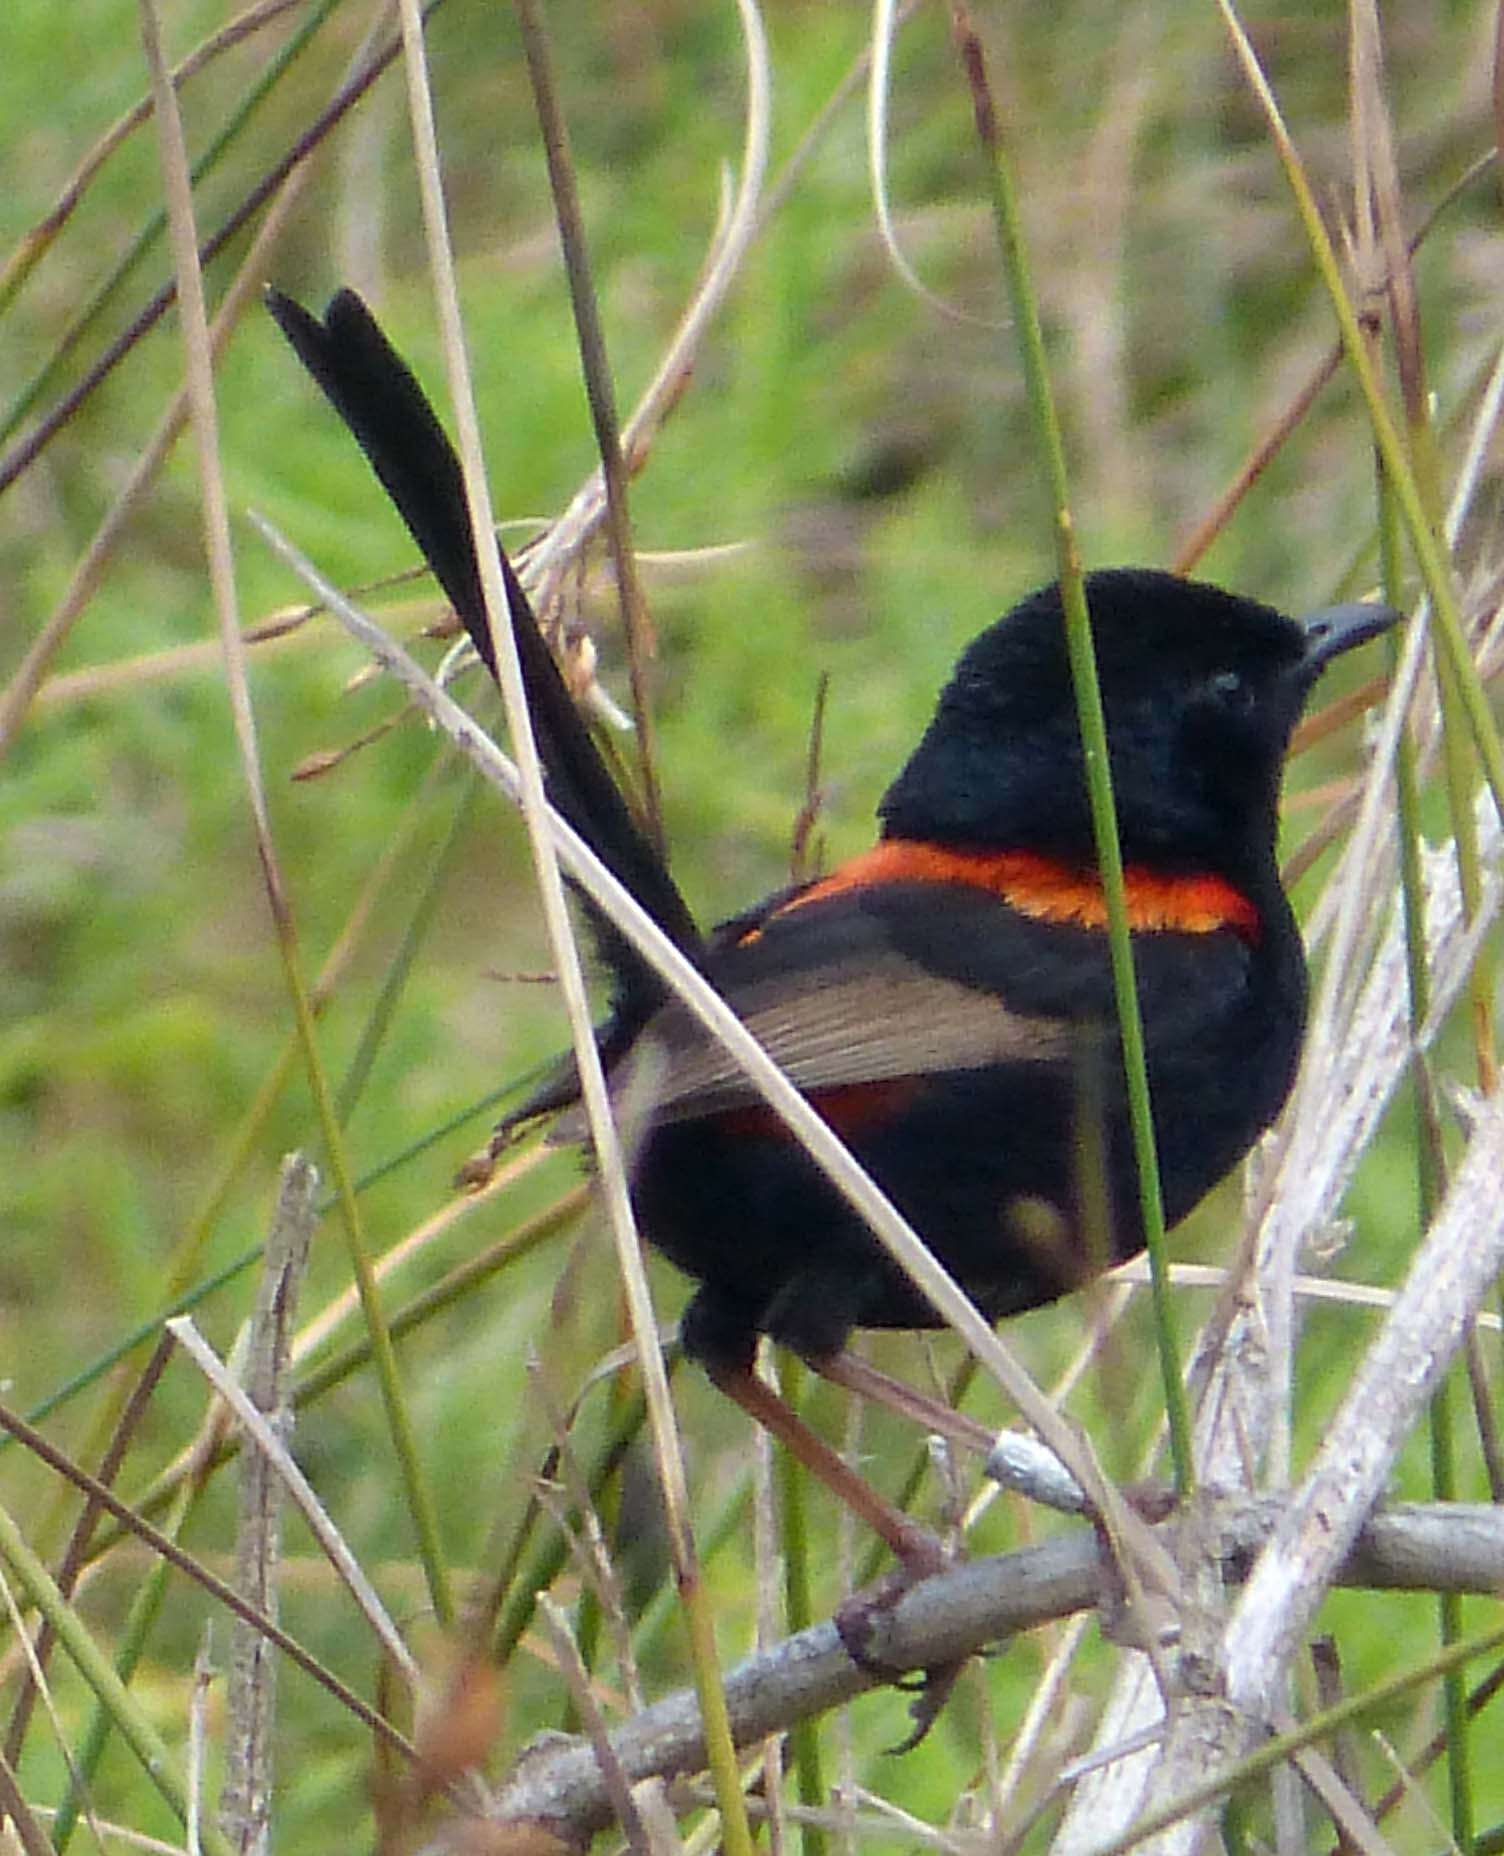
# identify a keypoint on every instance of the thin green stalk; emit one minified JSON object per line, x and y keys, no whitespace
{"x":95,"y":1667}
{"x":1430,"y":1180}
{"x":1235,"y":1826}
{"x":793,"y":1516}
{"x":599,"y":391}
{"x":1457,"y":765}
{"x":1425,"y":543}
{"x":1093,"y":734}
{"x":1454,"y":1684}
{"x":379,"y":1018}
{"x":725,"y":1768}
{"x":146,"y":1606}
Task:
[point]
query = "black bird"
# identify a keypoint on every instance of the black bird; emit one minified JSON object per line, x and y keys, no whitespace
{"x":944,"y":999}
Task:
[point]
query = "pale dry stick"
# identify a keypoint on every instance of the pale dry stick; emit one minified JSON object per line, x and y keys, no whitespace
{"x":29,"y":1834}
{"x":566,"y":955}
{"x":1049,"y":1482}
{"x":1354,"y":1822}
{"x":123,"y":1835}
{"x":710,"y":1009}
{"x":1447,"y":1279}
{"x":288,"y":628}
{"x":1305,"y":1125}
{"x":1243,"y":1353}
{"x":871,"y":1824}
{"x":1381,"y":219}
{"x":1408,"y":1786}
{"x":284,"y":626}
{"x":1272,"y":1260}
{"x":1368,"y":1064}
{"x":1454,"y":1269}
{"x":251,"y":1690}
{"x":29,"y":675}
{"x":1041,"y":1713}
{"x":131,"y":1721}
{"x":534,"y":805}
{"x":1378,"y":1055}
{"x":879,"y":83}
{"x":132,"y":1522}
{"x":126,"y":673}
{"x":198,"y":359}
{"x":586,"y":1538}
{"x":1250,"y":1336}
{"x":183,"y":1331}
{"x":986,"y":1798}
{"x":1366,"y":1067}
{"x":906,"y":1826}
{"x":72,"y":1570}
{"x":577,"y":1680}
{"x":1335,"y":1290}
{"x":203,"y":1676}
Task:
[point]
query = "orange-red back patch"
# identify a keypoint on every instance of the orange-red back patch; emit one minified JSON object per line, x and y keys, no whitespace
{"x":1048,"y":890}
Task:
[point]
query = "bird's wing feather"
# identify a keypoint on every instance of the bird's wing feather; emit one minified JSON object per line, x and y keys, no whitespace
{"x":858,"y":989}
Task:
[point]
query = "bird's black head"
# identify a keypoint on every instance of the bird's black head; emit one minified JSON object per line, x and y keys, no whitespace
{"x":1201,"y":691}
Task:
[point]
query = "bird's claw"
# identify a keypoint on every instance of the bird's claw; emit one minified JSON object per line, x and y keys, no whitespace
{"x":854,"y":1621}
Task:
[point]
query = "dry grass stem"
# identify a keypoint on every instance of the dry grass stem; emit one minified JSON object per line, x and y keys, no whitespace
{"x":251,"y":1697}
{"x":187,"y":1336}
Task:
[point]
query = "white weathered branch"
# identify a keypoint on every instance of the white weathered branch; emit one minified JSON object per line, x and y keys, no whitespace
{"x":560,"y":1784}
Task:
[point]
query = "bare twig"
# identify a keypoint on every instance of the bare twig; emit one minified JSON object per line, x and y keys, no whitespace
{"x":343,"y":1561}
{"x":245,"y":1802}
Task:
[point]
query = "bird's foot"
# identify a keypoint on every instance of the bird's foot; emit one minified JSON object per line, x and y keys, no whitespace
{"x":858,"y":1620}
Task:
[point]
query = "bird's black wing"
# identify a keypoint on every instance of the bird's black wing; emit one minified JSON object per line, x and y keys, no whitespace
{"x":867,"y":987}
{"x":374,"y":392}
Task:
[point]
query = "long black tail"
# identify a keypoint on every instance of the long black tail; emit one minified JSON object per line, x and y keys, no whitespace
{"x":371,"y":388}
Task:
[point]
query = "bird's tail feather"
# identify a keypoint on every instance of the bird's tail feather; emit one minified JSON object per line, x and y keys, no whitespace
{"x":371,"y":388}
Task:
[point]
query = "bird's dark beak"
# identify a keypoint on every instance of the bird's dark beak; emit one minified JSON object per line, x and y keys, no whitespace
{"x":1335,"y":629}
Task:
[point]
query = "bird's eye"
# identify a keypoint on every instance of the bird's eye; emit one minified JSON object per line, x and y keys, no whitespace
{"x":1230,"y":691}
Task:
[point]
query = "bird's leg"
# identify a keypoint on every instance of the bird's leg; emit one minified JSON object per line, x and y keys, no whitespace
{"x":917,"y":1550}
{"x":867,"y":1381}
